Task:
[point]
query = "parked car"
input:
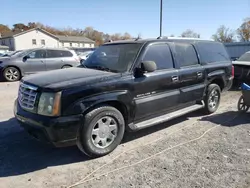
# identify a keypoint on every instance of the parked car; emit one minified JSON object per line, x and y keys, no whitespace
{"x":36,"y":60}
{"x":11,"y":53}
{"x":125,"y":85}
{"x":85,"y":55}
{"x":242,"y":68}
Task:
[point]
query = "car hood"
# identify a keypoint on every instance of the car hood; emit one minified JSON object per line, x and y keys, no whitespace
{"x":241,"y":63}
{"x":67,"y":78}
{"x":4,"y":58}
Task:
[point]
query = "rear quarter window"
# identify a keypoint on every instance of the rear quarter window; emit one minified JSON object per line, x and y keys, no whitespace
{"x":212,"y":52}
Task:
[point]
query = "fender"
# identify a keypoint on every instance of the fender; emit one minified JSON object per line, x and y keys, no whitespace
{"x":216,"y":73}
{"x":124,"y":97}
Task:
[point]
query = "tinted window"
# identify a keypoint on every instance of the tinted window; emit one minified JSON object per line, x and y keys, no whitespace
{"x":244,"y":57}
{"x":160,"y":54}
{"x":67,"y":54}
{"x":185,"y":54}
{"x":53,"y":53}
{"x":37,"y":54}
{"x":58,"y":53}
{"x":211,"y":52}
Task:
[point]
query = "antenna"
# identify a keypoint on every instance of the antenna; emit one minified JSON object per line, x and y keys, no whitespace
{"x":161,"y":18}
{"x":138,"y":37}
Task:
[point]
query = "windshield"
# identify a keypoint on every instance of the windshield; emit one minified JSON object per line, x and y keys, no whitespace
{"x":23,"y":53}
{"x":115,"y":57}
{"x":244,"y":57}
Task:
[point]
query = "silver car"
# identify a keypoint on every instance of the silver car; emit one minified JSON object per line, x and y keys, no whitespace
{"x":36,"y":60}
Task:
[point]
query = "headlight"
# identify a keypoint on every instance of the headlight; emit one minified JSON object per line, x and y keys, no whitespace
{"x":49,"y":104}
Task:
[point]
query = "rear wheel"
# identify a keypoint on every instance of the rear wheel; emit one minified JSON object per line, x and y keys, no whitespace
{"x":102,"y":131}
{"x":212,"y":98}
{"x":11,"y":74}
{"x":66,"y":66}
{"x":242,"y":107}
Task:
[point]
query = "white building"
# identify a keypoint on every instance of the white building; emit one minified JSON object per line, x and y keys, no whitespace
{"x":37,"y":37}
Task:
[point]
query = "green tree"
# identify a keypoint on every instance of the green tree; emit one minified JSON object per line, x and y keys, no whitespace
{"x":20,"y":27}
{"x":4,"y":29}
{"x":244,"y":30}
{"x":190,"y":34}
{"x":224,"y":34}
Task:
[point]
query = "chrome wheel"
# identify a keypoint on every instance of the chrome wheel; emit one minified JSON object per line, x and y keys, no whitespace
{"x":213,"y":99}
{"x":104,"y":132}
{"x":11,"y":74}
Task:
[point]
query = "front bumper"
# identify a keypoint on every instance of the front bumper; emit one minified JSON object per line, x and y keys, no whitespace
{"x":59,"y":131}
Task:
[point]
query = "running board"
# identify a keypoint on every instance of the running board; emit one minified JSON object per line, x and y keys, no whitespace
{"x":165,"y":117}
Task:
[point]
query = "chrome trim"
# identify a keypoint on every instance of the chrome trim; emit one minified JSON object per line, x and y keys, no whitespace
{"x":29,"y":87}
{"x":27,"y":96}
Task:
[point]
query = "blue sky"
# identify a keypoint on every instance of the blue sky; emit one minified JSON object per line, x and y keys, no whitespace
{"x":133,"y":16}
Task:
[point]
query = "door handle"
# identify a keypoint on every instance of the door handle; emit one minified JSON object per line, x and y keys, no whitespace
{"x":199,"y":74}
{"x":175,"y":78}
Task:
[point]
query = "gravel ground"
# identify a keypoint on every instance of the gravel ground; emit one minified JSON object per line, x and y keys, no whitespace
{"x":191,"y":151}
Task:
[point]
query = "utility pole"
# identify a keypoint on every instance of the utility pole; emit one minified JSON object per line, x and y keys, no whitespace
{"x":161,"y":18}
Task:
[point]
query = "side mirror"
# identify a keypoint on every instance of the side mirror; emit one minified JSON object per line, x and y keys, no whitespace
{"x":148,"y":66}
{"x":26,"y":57}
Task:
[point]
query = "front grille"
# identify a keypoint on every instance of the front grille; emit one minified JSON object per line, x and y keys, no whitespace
{"x":27,"y":96}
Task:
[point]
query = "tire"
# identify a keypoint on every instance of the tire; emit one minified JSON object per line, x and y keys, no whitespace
{"x":212,"y":98}
{"x":66,"y":66}
{"x":11,"y":74}
{"x":95,"y":130}
{"x":242,"y":107}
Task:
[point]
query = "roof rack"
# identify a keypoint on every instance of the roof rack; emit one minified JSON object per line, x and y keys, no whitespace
{"x":189,"y":38}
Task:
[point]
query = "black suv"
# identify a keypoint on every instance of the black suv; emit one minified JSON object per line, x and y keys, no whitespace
{"x":125,"y":85}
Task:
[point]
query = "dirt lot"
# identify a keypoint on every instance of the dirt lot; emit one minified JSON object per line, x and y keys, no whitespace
{"x":192,"y":151}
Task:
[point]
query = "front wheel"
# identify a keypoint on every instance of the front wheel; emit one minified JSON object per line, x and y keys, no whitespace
{"x":101,"y":132}
{"x":212,"y":98}
{"x":11,"y":74}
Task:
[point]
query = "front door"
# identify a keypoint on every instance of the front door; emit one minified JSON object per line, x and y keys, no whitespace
{"x":192,"y":74}
{"x":36,"y":62}
{"x":158,"y":91}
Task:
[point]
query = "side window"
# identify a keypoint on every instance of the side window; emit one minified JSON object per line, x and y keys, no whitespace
{"x":37,"y":54}
{"x":66,"y":54}
{"x":53,"y":53}
{"x":160,"y":54}
{"x":211,"y":52}
{"x":185,"y":54}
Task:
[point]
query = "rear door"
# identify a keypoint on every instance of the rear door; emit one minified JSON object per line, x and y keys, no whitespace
{"x":54,"y":59}
{"x":192,"y":73}
{"x":158,"y":91}
{"x":36,"y":62}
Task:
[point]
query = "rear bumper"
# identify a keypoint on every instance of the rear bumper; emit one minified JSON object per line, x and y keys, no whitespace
{"x":241,"y":73}
{"x":59,"y":131}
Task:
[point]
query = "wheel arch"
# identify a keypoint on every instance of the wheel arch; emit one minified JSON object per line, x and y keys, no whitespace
{"x":219,"y":81}
{"x":120,"y":106}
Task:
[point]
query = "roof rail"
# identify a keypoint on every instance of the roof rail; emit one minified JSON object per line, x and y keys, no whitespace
{"x":162,"y":37}
{"x":189,"y":38}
